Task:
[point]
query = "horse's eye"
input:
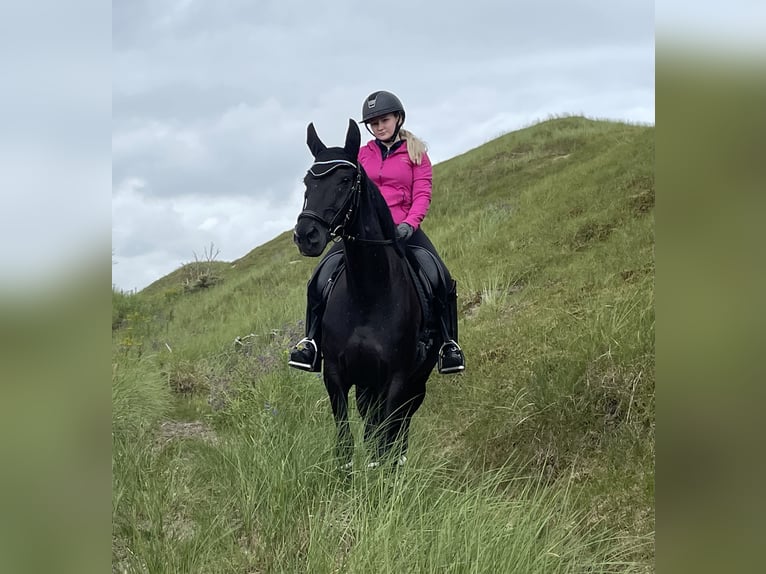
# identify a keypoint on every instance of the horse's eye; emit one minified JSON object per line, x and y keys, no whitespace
{"x":346,"y":179}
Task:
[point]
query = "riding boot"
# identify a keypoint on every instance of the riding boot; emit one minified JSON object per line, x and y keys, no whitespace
{"x":305,"y":355}
{"x":451,"y":359}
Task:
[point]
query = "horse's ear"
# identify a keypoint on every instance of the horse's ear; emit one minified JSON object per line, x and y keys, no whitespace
{"x":353,"y":139}
{"x":312,"y":140}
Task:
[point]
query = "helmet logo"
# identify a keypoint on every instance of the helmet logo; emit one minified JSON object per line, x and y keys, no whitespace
{"x":371,"y":103}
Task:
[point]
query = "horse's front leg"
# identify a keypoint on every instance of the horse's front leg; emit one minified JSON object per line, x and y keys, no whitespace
{"x":404,"y":398}
{"x":344,"y":446}
{"x":370,"y":408}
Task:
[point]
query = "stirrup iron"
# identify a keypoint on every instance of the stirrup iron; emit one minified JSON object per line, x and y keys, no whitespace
{"x":305,"y":366}
{"x":449,"y":370}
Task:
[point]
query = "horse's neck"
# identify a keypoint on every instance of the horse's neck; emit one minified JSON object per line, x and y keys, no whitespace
{"x":370,"y":267}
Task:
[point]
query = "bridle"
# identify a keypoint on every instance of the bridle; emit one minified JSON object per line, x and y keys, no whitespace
{"x":348,"y":210}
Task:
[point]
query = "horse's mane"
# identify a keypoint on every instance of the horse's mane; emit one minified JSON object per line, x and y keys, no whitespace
{"x":381,"y":208}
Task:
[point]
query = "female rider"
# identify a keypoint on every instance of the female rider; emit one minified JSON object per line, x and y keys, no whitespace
{"x":397,"y":162}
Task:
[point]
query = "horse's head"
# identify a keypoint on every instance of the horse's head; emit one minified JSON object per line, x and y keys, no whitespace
{"x":332,"y":188}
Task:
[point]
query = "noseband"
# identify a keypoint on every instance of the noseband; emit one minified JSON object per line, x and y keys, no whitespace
{"x":347,"y":211}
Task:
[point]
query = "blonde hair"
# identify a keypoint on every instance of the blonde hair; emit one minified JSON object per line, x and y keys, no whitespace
{"x":415,"y":146}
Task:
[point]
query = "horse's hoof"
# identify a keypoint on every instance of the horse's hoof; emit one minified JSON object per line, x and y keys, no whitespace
{"x":373,"y":465}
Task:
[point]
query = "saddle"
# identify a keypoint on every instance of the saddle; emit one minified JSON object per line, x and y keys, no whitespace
{"x":425,"y":271}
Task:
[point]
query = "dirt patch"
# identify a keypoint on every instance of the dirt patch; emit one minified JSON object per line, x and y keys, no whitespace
{"x":469,"y":305}
{"x":633,"y":275}
{"x":642,"y":198}
{"x":177,"y":430}
{"x":591,"y":232}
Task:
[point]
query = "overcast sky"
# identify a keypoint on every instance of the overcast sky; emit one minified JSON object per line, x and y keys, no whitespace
{"x":211,"y":99}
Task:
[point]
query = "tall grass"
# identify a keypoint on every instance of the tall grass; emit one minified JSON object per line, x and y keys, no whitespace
{"x":266,"y":496}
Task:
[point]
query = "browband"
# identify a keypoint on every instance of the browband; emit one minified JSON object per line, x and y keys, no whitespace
{"x":322,"y":168}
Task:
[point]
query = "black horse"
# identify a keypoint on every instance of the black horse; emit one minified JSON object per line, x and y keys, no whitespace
{"x":373,"y":317}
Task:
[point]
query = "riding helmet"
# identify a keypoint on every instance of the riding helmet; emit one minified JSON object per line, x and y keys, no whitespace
{"x":379,"y":104}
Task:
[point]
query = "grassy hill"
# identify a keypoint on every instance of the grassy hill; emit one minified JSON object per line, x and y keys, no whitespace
{"x":539,"y":458}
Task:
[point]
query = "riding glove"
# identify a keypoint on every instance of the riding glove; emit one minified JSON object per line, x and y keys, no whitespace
{"x":404,"y":231}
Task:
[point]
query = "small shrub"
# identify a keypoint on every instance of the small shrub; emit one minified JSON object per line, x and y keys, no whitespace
{"x":201,"y":273}
{"x":187,"y":377}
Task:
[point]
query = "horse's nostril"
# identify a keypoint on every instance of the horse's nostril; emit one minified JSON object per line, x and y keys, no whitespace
{"x":313,"y":235}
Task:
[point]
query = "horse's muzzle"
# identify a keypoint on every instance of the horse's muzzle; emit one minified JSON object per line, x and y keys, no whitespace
{"x":310,"y":238}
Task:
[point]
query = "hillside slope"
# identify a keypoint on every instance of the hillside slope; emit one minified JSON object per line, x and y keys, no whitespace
{"x":549,"y":232}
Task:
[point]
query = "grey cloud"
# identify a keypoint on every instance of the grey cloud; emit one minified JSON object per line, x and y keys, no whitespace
{"x":211,"y":99}
{"x":245,"y":151}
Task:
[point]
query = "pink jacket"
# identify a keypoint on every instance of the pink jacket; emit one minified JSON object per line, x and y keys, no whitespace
{"x":405,"y":186}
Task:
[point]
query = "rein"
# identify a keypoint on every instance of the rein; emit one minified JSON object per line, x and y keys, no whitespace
{"x":347,"y":211}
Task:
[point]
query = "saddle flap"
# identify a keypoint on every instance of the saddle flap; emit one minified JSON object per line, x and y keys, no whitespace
{"x":428,"y":267}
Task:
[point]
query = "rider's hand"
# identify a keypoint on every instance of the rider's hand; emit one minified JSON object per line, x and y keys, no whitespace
{"x":404,"y":231}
